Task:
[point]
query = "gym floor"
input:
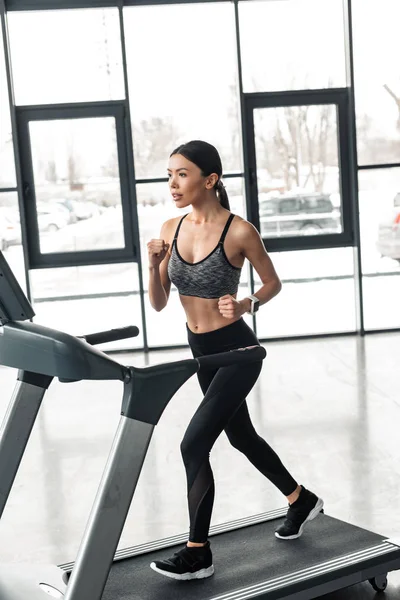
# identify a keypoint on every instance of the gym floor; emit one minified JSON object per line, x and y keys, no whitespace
{"x":329,"y":407}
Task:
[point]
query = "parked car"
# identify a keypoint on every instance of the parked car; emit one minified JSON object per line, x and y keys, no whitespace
{"x":10,"y":230}
{"x":51,"y":219}
{"x":78,"y":209}
{"x":298,"y":214}
{"x":388,"y":243}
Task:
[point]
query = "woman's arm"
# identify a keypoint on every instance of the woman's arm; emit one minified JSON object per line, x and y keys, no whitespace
{"x":254,"y":250}
{"x":159,"y":282}
{"x":252,"y":247}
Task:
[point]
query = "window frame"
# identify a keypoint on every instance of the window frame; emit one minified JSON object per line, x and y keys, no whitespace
{"x":37,"y":259}
{"x":336,"y":96}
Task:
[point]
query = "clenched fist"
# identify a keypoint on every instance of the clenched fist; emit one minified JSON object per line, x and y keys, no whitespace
{"x":157,"y":250}
{"x":230,"y":308}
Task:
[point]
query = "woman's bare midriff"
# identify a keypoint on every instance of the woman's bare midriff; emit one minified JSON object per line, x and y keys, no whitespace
{"x":202,"y":314}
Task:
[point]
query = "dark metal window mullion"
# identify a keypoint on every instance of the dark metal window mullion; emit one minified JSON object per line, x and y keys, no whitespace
{"x":345,"y":163}
{"x":353,"y":173}
{"x":27,"y":189}
{"x":244,"y":128}
{"x":395,"y":165}
{"x":134,"y":218}
{"x":123,"y":179}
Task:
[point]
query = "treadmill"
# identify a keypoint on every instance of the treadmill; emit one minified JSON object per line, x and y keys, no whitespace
{"x":251,"y":561}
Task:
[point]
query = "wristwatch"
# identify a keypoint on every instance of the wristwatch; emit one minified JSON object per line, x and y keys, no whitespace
{"x":255,"y":304}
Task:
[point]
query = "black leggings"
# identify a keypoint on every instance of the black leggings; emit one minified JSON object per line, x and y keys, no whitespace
{"x":224,"y":407}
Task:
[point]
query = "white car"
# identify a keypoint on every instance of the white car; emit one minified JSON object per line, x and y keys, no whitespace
{"x":10,"y":230}
{"x":52,"y":219}
{"x":388,"y":243}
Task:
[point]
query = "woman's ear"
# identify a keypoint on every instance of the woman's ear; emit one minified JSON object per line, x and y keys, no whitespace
{"x":211,"y":181}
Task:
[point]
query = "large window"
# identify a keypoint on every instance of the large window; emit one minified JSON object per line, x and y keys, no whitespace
{"x":298,"y":176}
{"x":66,"y":56}
{"x":182,"y":71}
{"x":94,"y":136}
{"x":292,"y":45}
{"x":377,"y":81}
{"x":298,"y":168}
{"x":76,"y":187}
{"x":380,"y":244}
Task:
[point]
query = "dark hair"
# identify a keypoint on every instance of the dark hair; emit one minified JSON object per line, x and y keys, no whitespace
{"x":207,"y":158}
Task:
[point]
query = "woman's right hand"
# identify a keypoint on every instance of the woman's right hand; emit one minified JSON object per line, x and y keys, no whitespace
{"x":157,"y":250}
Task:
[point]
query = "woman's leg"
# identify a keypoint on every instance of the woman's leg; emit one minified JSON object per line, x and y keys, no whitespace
{"x":224,"y":395}
{"x":304,"y":505}
{"x":243,"y":437}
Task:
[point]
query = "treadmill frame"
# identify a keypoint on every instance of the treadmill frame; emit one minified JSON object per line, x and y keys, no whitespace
{"x":303,"y":584}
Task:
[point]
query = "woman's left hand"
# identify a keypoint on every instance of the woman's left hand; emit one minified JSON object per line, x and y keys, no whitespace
{"x":230,"y":308}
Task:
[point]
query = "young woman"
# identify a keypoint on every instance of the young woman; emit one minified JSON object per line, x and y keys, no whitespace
{"x":202,"y":254}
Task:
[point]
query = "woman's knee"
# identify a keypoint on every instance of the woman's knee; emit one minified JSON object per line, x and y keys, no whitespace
{"x":189,"y":448}
{"x":241,"y":440}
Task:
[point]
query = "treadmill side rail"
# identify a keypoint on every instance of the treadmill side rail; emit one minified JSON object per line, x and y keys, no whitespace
{"x":324,"y":577}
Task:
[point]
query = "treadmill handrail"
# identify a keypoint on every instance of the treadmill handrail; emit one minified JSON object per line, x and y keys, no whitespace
{"x":153,"y":387}
{"x":244,"y":355}
{"x":111,"y":335}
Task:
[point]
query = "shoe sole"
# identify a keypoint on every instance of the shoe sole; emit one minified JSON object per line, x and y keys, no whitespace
{"x":202,"y":574}
{"x":314,"y":513}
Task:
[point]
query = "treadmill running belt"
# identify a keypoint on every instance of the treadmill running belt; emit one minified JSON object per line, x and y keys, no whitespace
{"x":242,"y":558}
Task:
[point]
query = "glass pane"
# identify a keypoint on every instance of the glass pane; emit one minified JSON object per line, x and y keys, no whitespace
{"x":77,"y":187}
{"x":10,"y":235}
{"x":87,"y":299}
{"x":188,"y":94}
{"x":297,"y":170}
{"x":154,"y":208}
{"x":379,"y":193}
{"x":66,"y":55}
{"x":377,"y":82}
{"x":318,"y":294}
{"x":7,"y":167}
{"x":296,"y":44}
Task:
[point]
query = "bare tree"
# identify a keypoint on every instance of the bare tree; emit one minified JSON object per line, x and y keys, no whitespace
{"x":319,"y":142}
{"x":301,"y":136}
{"x":397,"y":101}
{"x":233,"y":159}
{"x":51,"y":171}
{"x":152,"y":138}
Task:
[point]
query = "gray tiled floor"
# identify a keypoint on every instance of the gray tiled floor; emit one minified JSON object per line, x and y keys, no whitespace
{"x":330,"y":408}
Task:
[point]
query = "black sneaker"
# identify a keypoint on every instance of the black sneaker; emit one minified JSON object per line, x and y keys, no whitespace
{"x":188,"y":563}
{"x":305,"y":509}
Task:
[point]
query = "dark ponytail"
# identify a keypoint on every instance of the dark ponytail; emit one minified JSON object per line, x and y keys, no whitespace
{"x":222,"y":195}
{"x":207,"y":158}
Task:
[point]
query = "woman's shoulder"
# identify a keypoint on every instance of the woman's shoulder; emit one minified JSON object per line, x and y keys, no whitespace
{"x":241,"y":226}
{"x":171,"y":223}
{"x":243,"y":233}
{"x":169,"y":227}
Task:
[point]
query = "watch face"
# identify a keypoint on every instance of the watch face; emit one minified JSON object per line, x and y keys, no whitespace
{"x":256,"y":306}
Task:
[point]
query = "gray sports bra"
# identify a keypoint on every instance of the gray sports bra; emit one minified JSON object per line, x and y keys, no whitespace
{"x":212,"y":277}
